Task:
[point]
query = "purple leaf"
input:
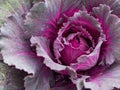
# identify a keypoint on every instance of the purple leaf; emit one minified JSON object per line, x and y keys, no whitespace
{"x":91,"y":24}
{"x":113,"y":4}
{"x":42,"y":80}
{"x":106,"y":80}
{"x":110,"y":24}
{"x":49,"y":16}
{"x":42,"y":49}
{"x":87,"y":61}
{"x":14,"y":47}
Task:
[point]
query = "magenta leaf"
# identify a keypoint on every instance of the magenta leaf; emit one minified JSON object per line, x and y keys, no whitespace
{"x":110,"y":24}
{"x":42,"y":49}
{"x":106,"y":80}
{"x":91,"y":24}
{"x":49,"y":16}
{"x":113,"y":4}
{"x":87,"y":61}
{"x":62,"y":44}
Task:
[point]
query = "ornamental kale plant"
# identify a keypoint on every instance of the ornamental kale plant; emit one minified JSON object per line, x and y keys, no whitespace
{"x":64,"y":44}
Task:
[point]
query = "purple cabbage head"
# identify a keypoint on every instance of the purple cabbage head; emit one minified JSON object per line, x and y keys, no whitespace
{"x":64,"y":44}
